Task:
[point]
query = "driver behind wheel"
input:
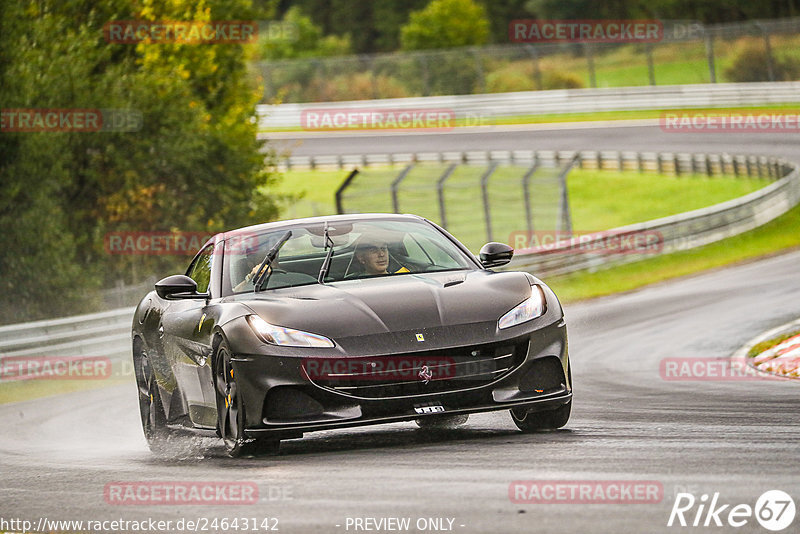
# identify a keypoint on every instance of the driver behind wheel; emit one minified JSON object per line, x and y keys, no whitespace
{"x":372,"y":256}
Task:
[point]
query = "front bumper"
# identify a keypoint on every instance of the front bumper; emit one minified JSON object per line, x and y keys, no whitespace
{"x":282,"y":401}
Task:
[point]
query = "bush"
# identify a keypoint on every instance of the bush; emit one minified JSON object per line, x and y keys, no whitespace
{"x":362,"y":86}
{"x":444,"y":24}
{"x":751,"y":65}
{"x":556,"y":79}
{"x":509,"y":80}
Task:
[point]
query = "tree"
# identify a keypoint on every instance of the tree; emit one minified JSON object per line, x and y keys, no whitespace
{"x":300,"y":37}
{"x":195,"y":164}
{"x":445,"y":24}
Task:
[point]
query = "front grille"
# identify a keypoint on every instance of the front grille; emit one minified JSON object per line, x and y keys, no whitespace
{"x":417,"y":373}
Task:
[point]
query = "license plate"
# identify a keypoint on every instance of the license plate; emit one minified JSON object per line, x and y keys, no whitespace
{"x":434,"y":408}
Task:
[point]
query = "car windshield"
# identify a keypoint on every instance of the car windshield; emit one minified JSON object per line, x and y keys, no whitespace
{"x":361,"y":249}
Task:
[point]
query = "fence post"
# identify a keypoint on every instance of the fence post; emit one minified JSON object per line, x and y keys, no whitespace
{"x":484,"y":190}
{"x":440,"y":193}
{"x":565,"y":219}
{"x":368,"y":62}
{"x":426,"y":77}
{"x":537,"y":72}
{"x":396,"y":185}
{"x":651,"y":71}
{"x":345,"y":185}
{"x":767,"y":50}
{"x":479,"y":70}
{"x":526,"y":180}
{"x":710,"y":56}
{"x":590,"y":64}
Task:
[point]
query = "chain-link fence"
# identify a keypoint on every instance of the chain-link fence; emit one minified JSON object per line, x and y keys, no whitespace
{"x":479,"y":201}
{"x":687,"y":53}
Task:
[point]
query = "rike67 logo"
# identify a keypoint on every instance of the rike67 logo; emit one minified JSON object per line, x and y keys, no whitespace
{"x":774,"y":510}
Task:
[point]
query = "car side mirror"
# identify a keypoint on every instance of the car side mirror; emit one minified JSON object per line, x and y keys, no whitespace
{"x":495,"y":254}
{"x":178,"y":286}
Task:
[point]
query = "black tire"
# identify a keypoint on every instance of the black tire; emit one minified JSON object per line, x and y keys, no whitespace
{"x":230,"y":411}
{"x":539,"y":421}
{"x":442,"y":421}
{"x":151,"y":411}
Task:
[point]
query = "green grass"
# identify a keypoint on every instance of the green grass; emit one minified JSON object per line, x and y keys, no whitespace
{"x":318,"y":189}
{"x":776,"y":236}
{"x":608,"y":199}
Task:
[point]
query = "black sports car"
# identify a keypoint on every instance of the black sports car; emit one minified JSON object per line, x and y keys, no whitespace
{"x":288,"y":327}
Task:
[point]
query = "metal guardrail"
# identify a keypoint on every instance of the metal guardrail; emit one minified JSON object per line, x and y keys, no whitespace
{"x":97,"y":334}
{"x":108,"y":333}
{"x":488,"y":107}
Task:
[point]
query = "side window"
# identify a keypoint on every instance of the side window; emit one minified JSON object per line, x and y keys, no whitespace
{"x":200,"y":269}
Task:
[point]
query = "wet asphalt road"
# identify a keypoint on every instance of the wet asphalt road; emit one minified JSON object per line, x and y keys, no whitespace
{"x":738,"y":438}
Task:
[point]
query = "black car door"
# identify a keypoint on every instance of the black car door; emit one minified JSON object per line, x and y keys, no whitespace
{"x":187,"y":325}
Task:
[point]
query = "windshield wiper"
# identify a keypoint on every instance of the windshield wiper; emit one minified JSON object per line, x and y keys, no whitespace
{"x":261,"y":275}
{"x":326,"y":265}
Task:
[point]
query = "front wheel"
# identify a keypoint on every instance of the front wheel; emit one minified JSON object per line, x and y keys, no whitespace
{"x":230,"y":411}
{"x":537,"y":421}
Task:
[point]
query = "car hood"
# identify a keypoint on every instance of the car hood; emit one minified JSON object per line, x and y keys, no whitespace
{"x":393,"y":303}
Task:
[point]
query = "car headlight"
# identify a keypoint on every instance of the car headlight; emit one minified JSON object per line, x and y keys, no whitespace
{"x":286,"y":337}
{"x":530,"y":308}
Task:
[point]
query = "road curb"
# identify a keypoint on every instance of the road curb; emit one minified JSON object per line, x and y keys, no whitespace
{"x":740,"y":356}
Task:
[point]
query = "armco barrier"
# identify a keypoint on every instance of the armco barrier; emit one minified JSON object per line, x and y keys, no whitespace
{"x":98,"y":334}
{"x":108,"y":333}
{"x":495,"y":106}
